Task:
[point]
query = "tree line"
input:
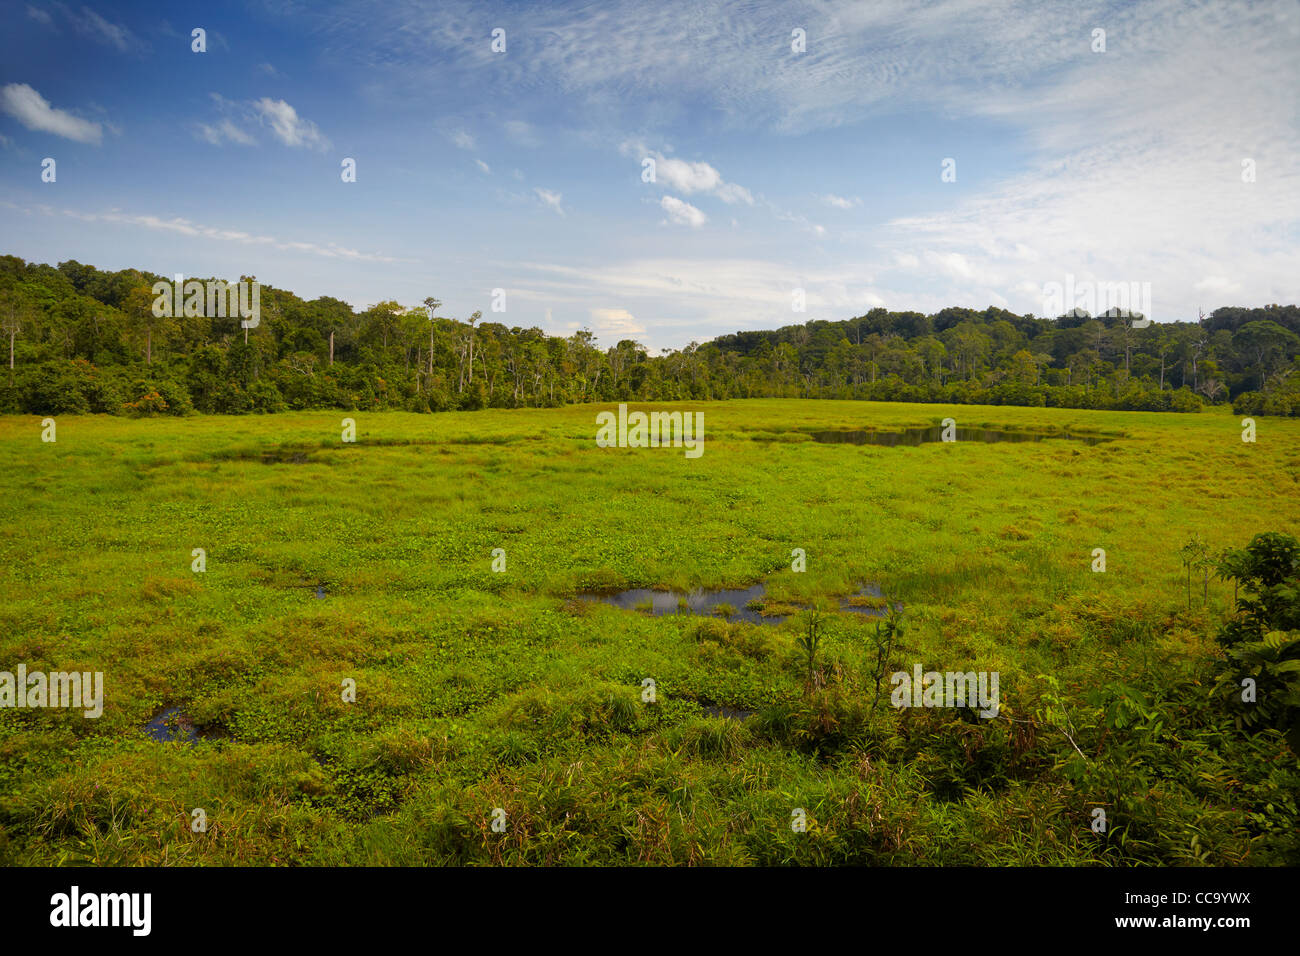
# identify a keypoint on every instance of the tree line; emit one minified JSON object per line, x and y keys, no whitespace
{"x":82,"y":340}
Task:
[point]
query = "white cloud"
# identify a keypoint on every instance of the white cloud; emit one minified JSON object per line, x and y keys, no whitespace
{"x":461,"y":139}
{"x":483,"y":166}
{"x":91,"y":24}
{"x":803,"y":222}
{"x":1122,"y":166}
{"x":288,"y":127}
{"x":1133,"y":175}
{"x":682,"y":213}
{"x":32,"y":110}
{"x":1219,"y":285}
{"x":957,"y":266}
{"x":840,"y":202}
{"x":225,"y":131}
{"x":689,"y":177}
{"x":753,"y":293}
{"x":186,"y":227}
{"x":696,"y":297}
{"x":731,"y":60}
{"x":550,"y":198}
{"x":613,"y":325}
{"x":731,"y":193}
{"x":40,"y":16}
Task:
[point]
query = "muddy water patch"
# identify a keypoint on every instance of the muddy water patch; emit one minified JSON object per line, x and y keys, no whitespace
{"x":737,"y":604}
{"x":733,"y":603}
{"x":870,"y":601}
{"x":172,"y":723}
{"x":725,"y":712}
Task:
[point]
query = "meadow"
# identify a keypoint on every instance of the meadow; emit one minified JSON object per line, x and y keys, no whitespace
{"x":476,"y":689}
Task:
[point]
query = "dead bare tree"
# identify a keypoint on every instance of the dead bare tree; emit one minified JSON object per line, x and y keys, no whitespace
{"x":11,"y":323}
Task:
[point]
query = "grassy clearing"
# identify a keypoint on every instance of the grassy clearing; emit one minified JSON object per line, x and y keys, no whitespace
{"x":478,"y":690}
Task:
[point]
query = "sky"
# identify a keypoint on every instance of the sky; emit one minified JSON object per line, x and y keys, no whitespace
{"x":864,"y":153}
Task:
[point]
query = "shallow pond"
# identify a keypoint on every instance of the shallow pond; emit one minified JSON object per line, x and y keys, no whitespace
{"x":725,"y":712}
{"x":171,"y":723}
{"x":696,"y":602}
{"x":867,"y":601}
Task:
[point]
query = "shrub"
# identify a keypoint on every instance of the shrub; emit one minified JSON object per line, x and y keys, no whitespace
{"x":57,"y":388}
{"x":1262,"y":637}
{"x":265,"y":397}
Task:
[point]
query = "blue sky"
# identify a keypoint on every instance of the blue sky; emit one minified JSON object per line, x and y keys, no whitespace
{"x":776,"y":170}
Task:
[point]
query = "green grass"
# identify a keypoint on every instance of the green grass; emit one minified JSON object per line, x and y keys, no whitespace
{"x":478,"y":690}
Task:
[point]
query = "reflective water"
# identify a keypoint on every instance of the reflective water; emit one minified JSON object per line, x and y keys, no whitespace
{"x":171,"y":724}
{"x":869,"y":602}
{"x":696,"y":602}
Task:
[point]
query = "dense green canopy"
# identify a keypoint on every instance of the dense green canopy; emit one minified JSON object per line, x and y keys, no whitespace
{"x":82,"y":340}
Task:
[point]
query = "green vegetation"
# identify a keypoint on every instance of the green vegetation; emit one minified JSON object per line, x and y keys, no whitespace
{"x":477,"y":690}
{"x":1263,"y":635}
{"x":81,"y":341}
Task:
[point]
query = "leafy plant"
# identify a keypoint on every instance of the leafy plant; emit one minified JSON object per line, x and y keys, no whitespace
{"x":1195,"y":556}
{"x":884,"y":640}
{"x":1267,"y":573}
{"x":1262,"y":638}
{"x":813,"y":623}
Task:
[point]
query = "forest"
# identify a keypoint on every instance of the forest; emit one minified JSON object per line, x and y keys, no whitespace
{"x":82,"y":340}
